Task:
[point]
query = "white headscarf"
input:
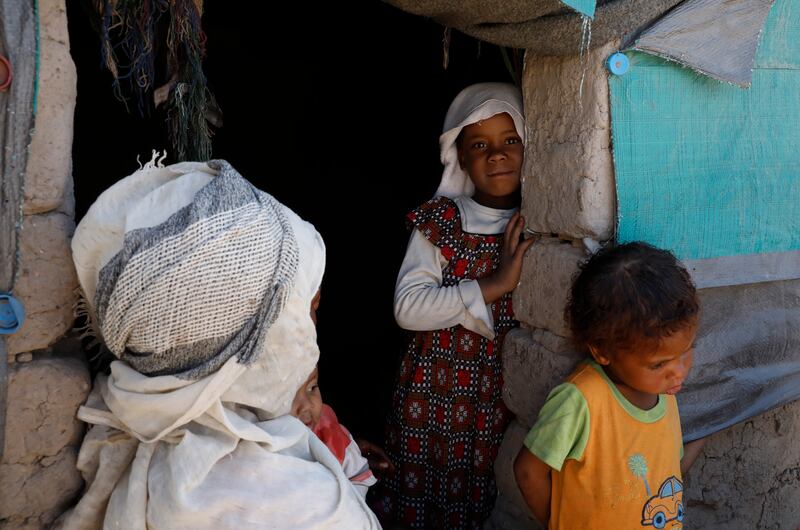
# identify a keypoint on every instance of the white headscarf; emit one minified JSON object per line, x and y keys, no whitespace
{"x":216,"y":451}
{"x":475,"y":103}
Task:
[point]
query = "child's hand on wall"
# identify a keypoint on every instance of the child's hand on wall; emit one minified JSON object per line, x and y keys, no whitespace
{"x":506,"y":278}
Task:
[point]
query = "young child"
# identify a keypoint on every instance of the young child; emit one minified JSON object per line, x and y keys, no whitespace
{"x":321,"y":419}
{"x":308,"y":407}
{"x":606,"y":449}
{"x":462,"y":262}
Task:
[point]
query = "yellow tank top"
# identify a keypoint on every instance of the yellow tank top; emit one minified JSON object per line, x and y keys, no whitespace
{"x":629,"y":474}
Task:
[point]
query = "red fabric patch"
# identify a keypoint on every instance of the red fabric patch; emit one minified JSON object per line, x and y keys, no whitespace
{"x":460,"y":268}
{"x":472,"y":242}
{"x":440,"y":414}
{"x":480,"y":421}
{"x":448,"y":253}
{"x":419,"y":375}
{"x":463,"y":378}
{"x":409,"y":514}
{"x":444,"y":340}
{"x":436,"y":487}
{"x":458,"y":450}
{"x":449,"y":213}
{"x":414,"y":445}
{"x":332,"y":433}
{"x":476,"y":494}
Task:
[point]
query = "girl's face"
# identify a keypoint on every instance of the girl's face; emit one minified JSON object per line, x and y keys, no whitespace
{"x":491,"y":152}
{"x":645,"y":374}
{"x":307,"y":404}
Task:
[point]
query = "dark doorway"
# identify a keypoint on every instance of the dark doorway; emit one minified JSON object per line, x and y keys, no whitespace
{"x":335,"y":110}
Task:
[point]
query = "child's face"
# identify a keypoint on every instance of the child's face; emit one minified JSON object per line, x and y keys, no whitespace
{"x":659,"y":371}
{"x":307,"y":404}
{"x":491,"y":154}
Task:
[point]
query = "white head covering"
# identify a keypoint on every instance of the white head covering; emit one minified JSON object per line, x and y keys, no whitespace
{"x":476,"y":102}
{"x":208,"y":445}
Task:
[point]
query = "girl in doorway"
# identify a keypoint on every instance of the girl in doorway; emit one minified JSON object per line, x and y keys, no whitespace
{"x":454,"y":291}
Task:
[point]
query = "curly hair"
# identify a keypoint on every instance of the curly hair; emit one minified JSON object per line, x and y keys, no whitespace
{"x":628,"y":296}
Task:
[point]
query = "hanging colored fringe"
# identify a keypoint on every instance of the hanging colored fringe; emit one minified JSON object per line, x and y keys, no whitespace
{"x":132,"y":34}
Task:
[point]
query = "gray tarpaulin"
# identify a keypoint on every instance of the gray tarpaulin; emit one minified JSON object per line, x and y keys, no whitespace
{"x":544,"y":27}
{"x":747,"y":356}
{"x":718,"y":38}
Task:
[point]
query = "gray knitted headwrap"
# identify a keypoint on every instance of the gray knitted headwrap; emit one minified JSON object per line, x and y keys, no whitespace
{"x":184,"y":296}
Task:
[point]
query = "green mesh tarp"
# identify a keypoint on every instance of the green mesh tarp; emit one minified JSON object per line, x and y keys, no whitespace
{"x":712,"y":172}
{"x":709,"y":170}
{"x":585,"y":7}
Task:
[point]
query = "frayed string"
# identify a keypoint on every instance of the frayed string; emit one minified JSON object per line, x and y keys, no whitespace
{"x":88,"y":330}
{"x":156,"y":161}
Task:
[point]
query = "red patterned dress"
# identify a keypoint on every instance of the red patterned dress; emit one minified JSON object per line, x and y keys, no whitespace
{"x":448,"y":417}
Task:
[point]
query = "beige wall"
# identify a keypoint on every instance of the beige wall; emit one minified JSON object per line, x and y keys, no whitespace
{"x":46,"y":384}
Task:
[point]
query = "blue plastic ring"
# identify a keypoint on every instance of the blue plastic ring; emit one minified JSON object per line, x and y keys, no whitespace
{"x":12,"y":314}
{"x":618,"y":63}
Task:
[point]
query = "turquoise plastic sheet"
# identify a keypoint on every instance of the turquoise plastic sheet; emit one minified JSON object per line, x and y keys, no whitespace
{"x":707,"y":169}
{"x":585,"y":7}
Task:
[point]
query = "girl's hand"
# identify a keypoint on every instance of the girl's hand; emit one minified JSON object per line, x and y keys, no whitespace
{"x":506,"y":278}
{"x":379,"y":462}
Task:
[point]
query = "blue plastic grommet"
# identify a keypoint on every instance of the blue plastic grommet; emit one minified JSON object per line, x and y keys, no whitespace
{"x":12,"y":314}
{"x":618,"y":63}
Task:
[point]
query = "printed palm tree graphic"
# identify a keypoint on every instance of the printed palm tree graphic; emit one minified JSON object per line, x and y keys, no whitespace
{"x":638,"y":466}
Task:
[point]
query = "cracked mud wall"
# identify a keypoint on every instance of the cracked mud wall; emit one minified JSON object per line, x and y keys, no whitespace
{"x":749,"y":475}
{"x":38,"y":478}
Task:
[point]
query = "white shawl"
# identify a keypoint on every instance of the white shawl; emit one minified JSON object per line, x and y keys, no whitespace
{"x":220,"y":452}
